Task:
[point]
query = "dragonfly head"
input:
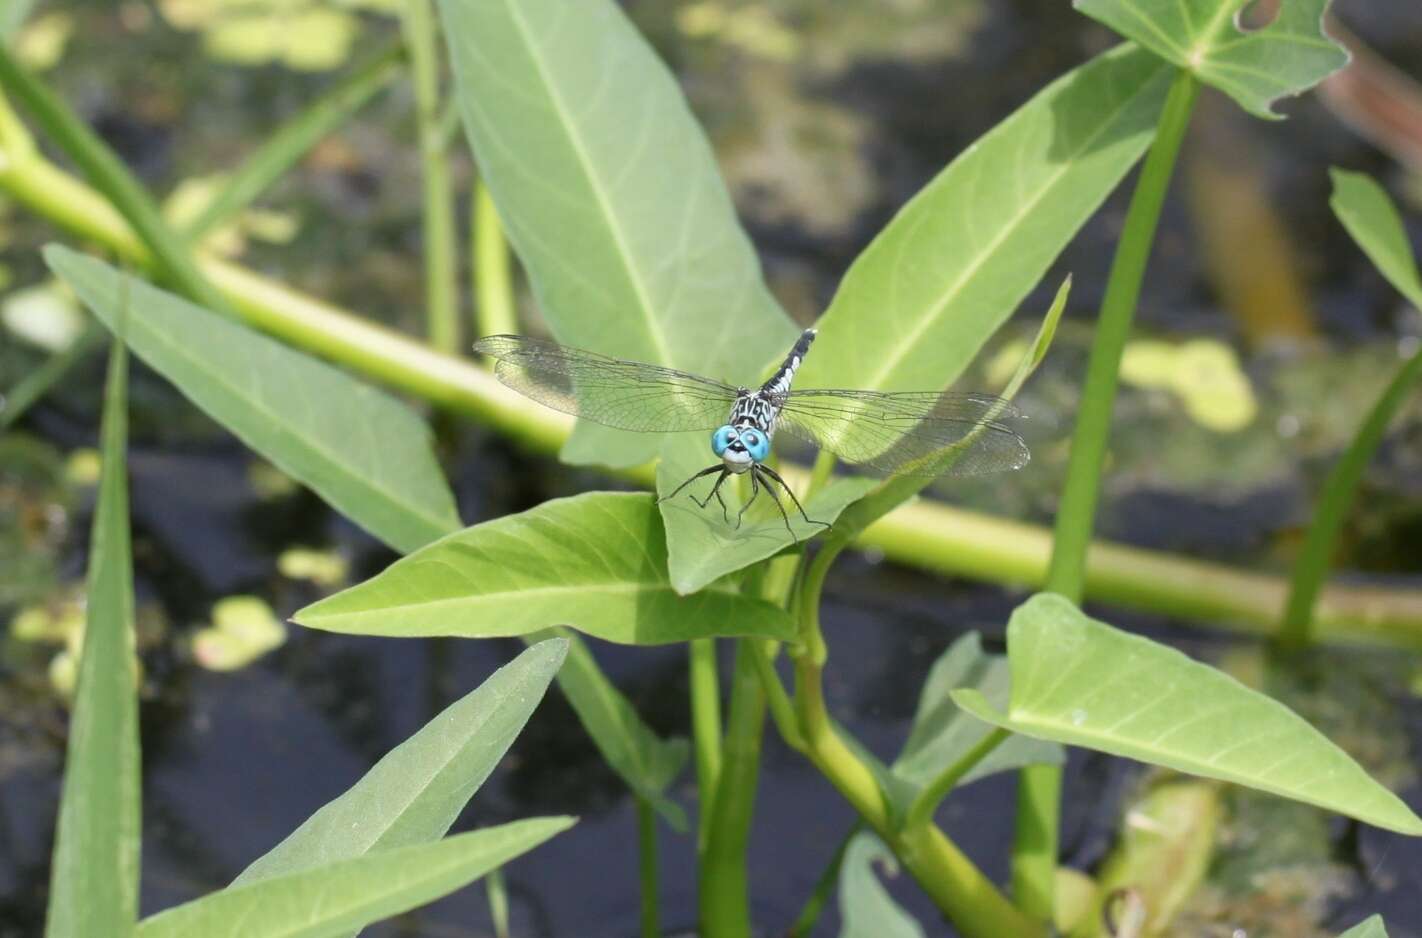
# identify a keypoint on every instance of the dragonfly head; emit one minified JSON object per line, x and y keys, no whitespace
{"x":740,"y":447}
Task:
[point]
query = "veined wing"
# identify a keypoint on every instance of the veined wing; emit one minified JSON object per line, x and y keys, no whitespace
{"x":911,"y":433}
{"x":611,"y":391}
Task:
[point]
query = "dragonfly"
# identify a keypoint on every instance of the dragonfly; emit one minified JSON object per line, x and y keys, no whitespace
{"x":883,"y":432}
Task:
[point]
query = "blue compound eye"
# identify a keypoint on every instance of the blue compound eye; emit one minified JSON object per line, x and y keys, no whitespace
{"x":756,"y":444}
{"x":720,"y":440}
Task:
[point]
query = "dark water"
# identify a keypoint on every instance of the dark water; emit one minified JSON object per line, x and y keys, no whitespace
{"x":233,"y":762}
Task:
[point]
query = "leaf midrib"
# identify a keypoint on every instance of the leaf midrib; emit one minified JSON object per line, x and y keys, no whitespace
{"x":633,"y":273}
{"x":911,"y":339}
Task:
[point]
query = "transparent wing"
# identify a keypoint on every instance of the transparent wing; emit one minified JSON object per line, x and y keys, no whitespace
{"x":911,"y":433}
{"x":610,"y":391}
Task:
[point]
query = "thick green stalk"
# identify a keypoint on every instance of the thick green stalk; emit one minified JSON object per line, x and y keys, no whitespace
{"x":725,"y":889}
{"x":108,"y":174}
{"x":649,"y":868}
{"x":925,"y":534}
{"x":440,"y":243}
{"x":495,"y":312}
{"x":293,"y":140}
{"x":1312,"y":565}
{"x":705,"y":728}
{"x":1034,"y":855}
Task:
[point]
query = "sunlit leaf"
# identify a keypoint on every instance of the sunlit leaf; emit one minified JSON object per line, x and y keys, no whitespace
{"x":358,"y":448}
{"x":1081,"y":682}
{"x":1368,"y":928}
{"x":94,"y":877}
{"x":596,"y":562}
{"x":334,"y":899}
{"x":413,"y":794}
{"x":866,"y":909}
{"x":1255,"y":67}
{"x":611,"y":196}
{"x":924,"y":297}
{"x":647,"y":763}
{"x":1371,"y":218}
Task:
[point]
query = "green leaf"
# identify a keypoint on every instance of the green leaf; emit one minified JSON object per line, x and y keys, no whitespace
{"x":866,"y":909}
{"x":1081,"y":682}
{"x":610,"y":194}
{"x":333,"y":900}
{"x":1256,"y":68}
{"x":1371,"y":218}
{"x":703,"y":546}
{"x":94,"y":876}
{"x":358,"y":448}
{"x":942,"y":733}
{"x":1368,"y":928}
{"x":415,"y":792}
{"x":596,"y":562}
{"x":645,"y":762}
{"x":924,"y":297}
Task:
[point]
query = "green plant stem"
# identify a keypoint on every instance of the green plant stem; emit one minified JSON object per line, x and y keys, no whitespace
{"x":498,"y":893}
{"x":1035,"y":845}
{"x":108,"y":174}
{"x":36,"y":384}
{"x":1338,"y":492}
{"x":495,"y":313}
{"x":293,"y":140}
{"x":782,"y":709}
{"x":705,"y":728}
{"x":921,"y":812}
{"x":925,"y":534}
{"x":649,"y":867}
{"x":725,"y":891}
{"x":440,"y":243}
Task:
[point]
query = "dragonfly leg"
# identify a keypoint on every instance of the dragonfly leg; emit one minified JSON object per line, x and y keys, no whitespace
{"x":755,"y":490}
{"x":704,"y":472}
{"x":770,"y":490}
{"x":716,"y":491}
{"x":791,"y":492}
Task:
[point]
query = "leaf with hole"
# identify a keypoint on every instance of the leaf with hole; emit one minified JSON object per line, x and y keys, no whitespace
{"x":1081,"y":682}
{"x":866,"y":909}
{"x":1256,"y":67}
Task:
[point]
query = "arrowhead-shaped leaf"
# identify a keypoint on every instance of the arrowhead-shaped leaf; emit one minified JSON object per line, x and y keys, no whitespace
{"x":361,"y":450}
{"x":596,"y":562}
{"x":1256,"y":68}
{"x":332,"y":900}
{"x":1081,"y":682}
{"x":611,"y":196}
{"x":415,"y":792}
{"x":942,"y":733}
